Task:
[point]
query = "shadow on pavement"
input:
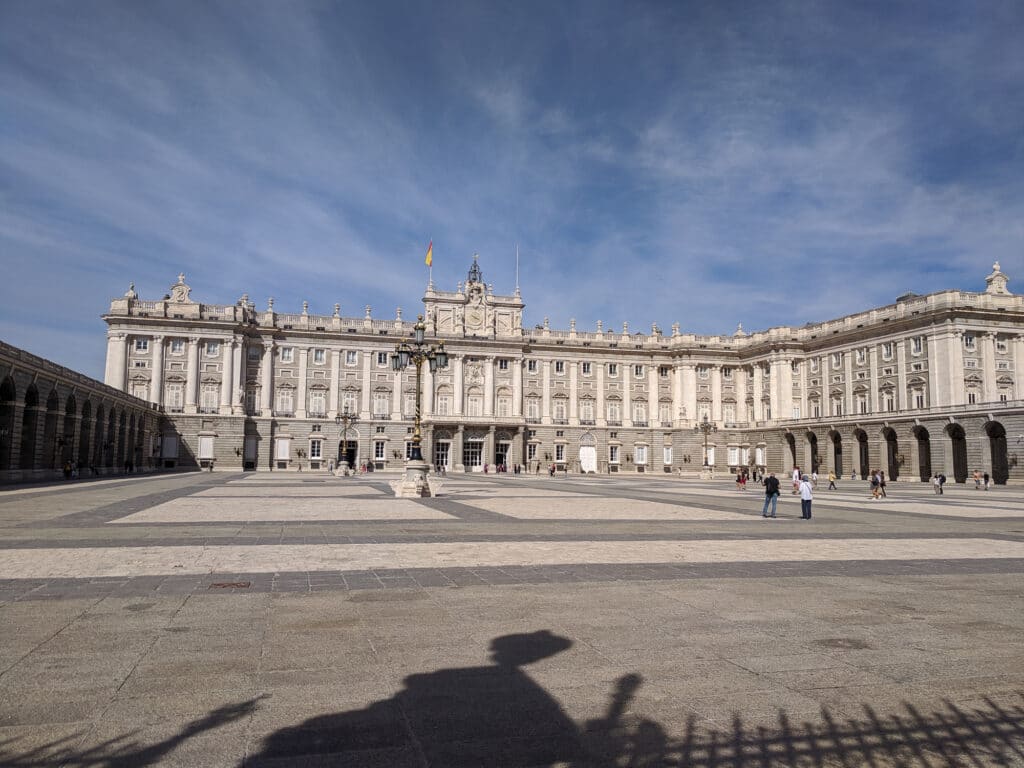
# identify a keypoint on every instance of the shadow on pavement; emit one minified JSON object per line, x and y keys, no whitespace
{"x":496,"y":715}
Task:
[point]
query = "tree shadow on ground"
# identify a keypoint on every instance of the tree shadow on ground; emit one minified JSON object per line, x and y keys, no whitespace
{"x":496,"y":715}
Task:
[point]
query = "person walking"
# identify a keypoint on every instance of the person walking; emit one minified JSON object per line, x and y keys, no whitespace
{"x":771,"y":494}
{"x":977,"y":479}
{"x":875,"y":485}
{"x":831,"y":480}
{"x":806,"y":496}
{"x":936,"y":485}
{"x":796,"y":480}
{"x":814,"y":478}
{"x":985,"y":477}
{"x":942,"y":482}
{"x":881,"y":482}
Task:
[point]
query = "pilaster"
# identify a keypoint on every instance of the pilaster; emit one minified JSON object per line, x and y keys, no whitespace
{"x":156,"y":379}
{"x":300,"y":404}
{"x":192,"y":376}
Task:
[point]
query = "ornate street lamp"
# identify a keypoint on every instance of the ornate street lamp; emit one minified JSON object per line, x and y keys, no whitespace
{"x":416,"y":351}
{"x":705,"y":427}
{"x":343,"y":420}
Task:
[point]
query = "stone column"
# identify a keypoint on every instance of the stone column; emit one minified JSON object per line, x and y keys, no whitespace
{"x":364,"y":399}
{"x":459,"y":386}
{"x":396,"y":396}
{"x":517,"y":387}
{"x":677,"y":394}
{"x":627,"y":394}
{"x":489,"y":389}
{"x":192,"y":375}
{"x":600,"y":417}
{"x":267,"y":380}
{"x":653,"y":397}
{"x":758,"y":375}
{"x":227,"y":374}
{"x":901,"y":374}
{"x":332,"y":396}
{"x":427,"y":393}
{"x":116,"y":374}
{"x":545,"y":408}
{"x":873,"y":364}
{"x":690,"y":391}
{"x":957,"y":391}
{"x":803,"y":389}
{"x":716,"y":394}
{"x":456,"y":449}
{"x":156,"y":380}
{"x":777,"y":390}
{"x":988,"y":365}
{"x":574,"y":417}
{"x":238,"y":380}
{"x":1018,"y":367}
{"x":489,"y":446}
{"x":739,"y":378}
{"x":848,"y":408}
{"x":300,"y":397}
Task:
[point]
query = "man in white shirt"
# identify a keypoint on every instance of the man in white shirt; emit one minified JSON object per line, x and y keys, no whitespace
{"x":805,"y":498}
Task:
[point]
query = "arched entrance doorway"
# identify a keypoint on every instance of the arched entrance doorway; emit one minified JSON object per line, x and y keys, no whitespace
{"x":863,"y":454}
{"x":791,"y":443}
{"x":85,"y":436}
{"x":7,"y":397}
{"x":837,"y":452}
{"x":50,"y":456}
{"x":29,"y":428}
{"x":958,"y":450}
{"x":348,"y":451}
{"x":892,"y":453}
{"x":588,"y":453}
{"x":924,"y":453}
{"x":812,"y":443}
{"x":997,"y":449}
{"x":66,"y":439}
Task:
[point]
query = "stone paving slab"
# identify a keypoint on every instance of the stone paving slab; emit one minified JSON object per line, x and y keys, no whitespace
{"x":282,"y":508}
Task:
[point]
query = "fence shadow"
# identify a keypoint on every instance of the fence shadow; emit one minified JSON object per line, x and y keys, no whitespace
{"x":497,"y":715}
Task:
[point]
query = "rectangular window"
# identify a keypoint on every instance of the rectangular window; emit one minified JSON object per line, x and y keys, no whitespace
{"x":531,"y":451}
{"x":253,"y":353}
{"x":1002,"y":365}
{"x":614,"y":414}
{"x":504,"y":405}
{"x":666,"y":455}
{"x":640,"y":455}
{"x":703,"y":372}
{"x":174,"y":397}
{"x":919,"y":399}
{"x":475,"y":405}
{"x":382,"y":359}
{"x":969,"y":341}
{"x":888,"y":371}
{"x":177,"y":346}
{"x":502,"y":364}
{"x":142,"y":345}
{"x":287,"y":354}
{"x":559,"y":366}
{"x":212,"y":348}
{"x":916,"y":345}
{"x":283,"y":448}
{"x":140,"y":363}
{"x":1002,"y":397}
{"x":733,"y":455}
{"x":887,"y":350}
{"x":380,"y":405}
{"x":205,"y":447}
{"x":378,"y":450}
{"x":861,"y":356}
{"x":890,"y":403}
{"x":351,"y":357}
{"x":1001,"y":346}
{"x":613,"y":454}
{"x":837,"y":360}
{"x":638,"y":371}
{"x":971,"y":398}
{"x":664,"y":370}
{"x":586,"y":369}
{"x":444,"y":405}
{"x":727,"y":372}
{"x":917,"y":367}
{"x":587,"y":411}
{"x":814,"y":365}
{"x":348,"y":403}
{"x":560,"y":453}
{"x":209,"y":398}
{"x":285,"y":402}
{"x":316,"y":449}
{"x":970,"y":363}
{"x":531,"y":366}
{"x":319,"y":356}
{"x":613,"y":369}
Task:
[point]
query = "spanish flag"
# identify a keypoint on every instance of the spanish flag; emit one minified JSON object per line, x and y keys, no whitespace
{"x":429,"y":261}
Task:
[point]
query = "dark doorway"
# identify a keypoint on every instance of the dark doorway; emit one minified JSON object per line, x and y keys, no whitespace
{"x":8,"y":395}
{"x":997,"y":447}
{"x":812,"y":440}
{"x":348,"y":450}
{"x":959,"y":448}
{"x":863,"y":453}
{"x":791,"y":441}
{"x":837,"y":453}
{"x":924,"y":453}
{"x":892,"y":452}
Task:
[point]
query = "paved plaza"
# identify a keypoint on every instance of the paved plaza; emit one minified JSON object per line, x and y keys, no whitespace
{"x":272,"y":619}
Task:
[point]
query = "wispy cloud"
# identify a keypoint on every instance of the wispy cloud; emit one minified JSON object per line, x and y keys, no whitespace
{"x":701,"y":163}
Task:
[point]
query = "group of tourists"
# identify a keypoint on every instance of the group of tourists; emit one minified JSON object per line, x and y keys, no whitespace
{"x":877,"y":484}
{"x":802,"y":484}
{"x":981,"y":480}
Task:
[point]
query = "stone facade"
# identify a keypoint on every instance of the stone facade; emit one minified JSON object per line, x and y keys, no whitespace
{"x":52,"y":418}
{"x":927,"y":384}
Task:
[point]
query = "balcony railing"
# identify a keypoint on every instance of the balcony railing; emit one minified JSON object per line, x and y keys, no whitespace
{"x":614,"y":423}
{"x":587,"y":422}
{"x":559,"y":421}
{"x":532,"y":420}
{"x":639,"y":423}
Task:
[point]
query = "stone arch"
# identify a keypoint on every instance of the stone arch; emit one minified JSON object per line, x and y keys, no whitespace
{"x":791,"y":442}
{"x":957,"y":451}
{"x":892,"y":453}
{"x":997,"y":451}
{"x":96,"y":459}
{"x":67,"y":435}
{"x":924,"y":452}
{"x":863,"y":453}
{"x":837,"y":452}
{"x":8,"y":399}
{"x":85,"y":435}
{"x":29,"y":429}
{"x":121,"y":438}
{"x":109,"y":438}
{"x":50,"y":430}
{"x":812,"y":445}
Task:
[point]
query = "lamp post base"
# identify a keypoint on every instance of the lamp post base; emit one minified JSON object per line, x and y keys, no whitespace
{"x":415,"y":483}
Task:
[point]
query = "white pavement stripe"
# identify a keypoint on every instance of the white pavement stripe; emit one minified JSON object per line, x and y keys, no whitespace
{"x":280,"y":509}
{"x":595,"y":508}
{"x":152,"y":561}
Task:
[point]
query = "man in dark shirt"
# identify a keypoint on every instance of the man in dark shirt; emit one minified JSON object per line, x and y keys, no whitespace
{"x":771,"y":494}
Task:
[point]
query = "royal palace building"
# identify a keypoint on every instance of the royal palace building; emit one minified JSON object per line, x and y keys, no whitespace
{"x":927,"y":384}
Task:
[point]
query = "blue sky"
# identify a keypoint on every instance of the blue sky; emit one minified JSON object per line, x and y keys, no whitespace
{"x":705,"y":163}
